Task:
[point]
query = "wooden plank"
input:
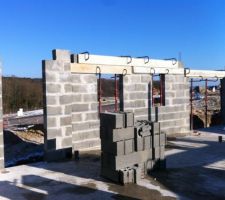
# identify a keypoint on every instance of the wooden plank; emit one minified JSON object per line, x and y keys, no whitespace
{"x":104,"y":69}
{"x":148,"y":70}
{"x":126,"y":61}
{"x":205,"y":74}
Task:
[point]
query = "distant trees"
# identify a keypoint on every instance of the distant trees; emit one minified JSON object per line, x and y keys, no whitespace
{"x":23,"y":93}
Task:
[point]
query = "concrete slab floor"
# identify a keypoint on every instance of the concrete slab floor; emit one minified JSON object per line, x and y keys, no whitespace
{"x":196,"y":170}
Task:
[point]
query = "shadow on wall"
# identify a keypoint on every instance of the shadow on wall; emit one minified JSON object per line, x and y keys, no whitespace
{"x":197,"y":122}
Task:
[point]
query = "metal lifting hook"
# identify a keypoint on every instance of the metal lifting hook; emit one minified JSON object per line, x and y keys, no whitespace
{"x":86,"y":55}
{"x":146,"y":59}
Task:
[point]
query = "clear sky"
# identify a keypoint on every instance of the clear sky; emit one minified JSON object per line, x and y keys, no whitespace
{"x":30,"y":29}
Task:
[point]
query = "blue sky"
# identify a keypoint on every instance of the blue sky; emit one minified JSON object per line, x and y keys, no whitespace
{"x":30,"y":29}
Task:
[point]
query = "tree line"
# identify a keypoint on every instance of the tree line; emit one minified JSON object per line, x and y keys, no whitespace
{"x":23,"y":93}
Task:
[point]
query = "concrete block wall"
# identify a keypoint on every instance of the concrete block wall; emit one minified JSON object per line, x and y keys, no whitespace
{"x":57,"y":105}
{"x":174,"y":117}
{"x":85,"y":118}
{"x":1,"y":125}
{"x":135,"y":96}
{"x":71,"y":108}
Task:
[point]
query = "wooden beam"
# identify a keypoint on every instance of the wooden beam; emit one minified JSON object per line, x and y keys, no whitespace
{"x":103,"y":69}
{"x":126,"y":61}
{"x":205,"y":74}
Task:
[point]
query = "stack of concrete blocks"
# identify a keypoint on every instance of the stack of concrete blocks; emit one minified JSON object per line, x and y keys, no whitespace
{"x":1,"y":125}
{"x":128,"y":151}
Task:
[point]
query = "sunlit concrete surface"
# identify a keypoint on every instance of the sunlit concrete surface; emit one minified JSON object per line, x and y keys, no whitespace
{"x":196,"y":170}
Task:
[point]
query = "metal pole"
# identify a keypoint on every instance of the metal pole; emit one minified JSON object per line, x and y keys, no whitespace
{"x":206,"y":103}
{"x":99,"y":94}
{"x":116,"y":93}
{"x":152,"y":91}
{"x":191,"y":102}
{"x":161,"y":90}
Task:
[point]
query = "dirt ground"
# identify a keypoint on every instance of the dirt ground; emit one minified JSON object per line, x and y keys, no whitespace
{"x":195,"y":170}
{"x":23,"y":146}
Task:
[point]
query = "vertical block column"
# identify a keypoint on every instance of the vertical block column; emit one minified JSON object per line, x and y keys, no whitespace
{"x":135,"y":95}
{"x":1,"y":125}
{"x":85,"y":117}
{"x":57,"y":105}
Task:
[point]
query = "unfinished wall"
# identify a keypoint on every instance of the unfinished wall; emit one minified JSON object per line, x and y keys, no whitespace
{"x":71,"y":108}
{"x":71,"y":105}
{"x":1,"y":125}
{"x":174,"y":116}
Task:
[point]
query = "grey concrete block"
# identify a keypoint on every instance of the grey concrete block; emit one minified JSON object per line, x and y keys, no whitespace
{"x":129,"y":146}
{"x":51,"y":100}
{"x":51,"y":122}
{"x":65,"y":99}
{"x":91,"y":116}
{"x":66,"y":142}
{"x":61,"y":54}
{"x":53,"y":88}
{"x":77,"y":117}
{"x":87,"y":144}
{"x":162,"y":152}
{"x":54,"y":110}
{"x":155,"y":141}
{"x":82,"y":126}
{"x":155,"y":128}
{"x":2,"y":164}
{"x":68,"y":131}
{"x":76,"y":98}
{"x":114,"y":148}
{"x":67,"y":109}
{"x":156,"y":153}
{"x":137,"y":174}
{"x":67,"y":88}
{"x":149,"y":165}
{"x":139,"y":144}
{"x":115,"y":135}
{"x":129,"y":119}
{"x":123,"y":176}
{"x":112,"y":120}
{"x":65,"y":121}
{"x":78,"y":107}
{"x":162,"y":139}
{"x":1,"y":151}
{"x":147,"y":142}
{"x":53,"y":133}
{"x":52,"y":65}
{"x":120,"y":162}
{"x":90,"y":97}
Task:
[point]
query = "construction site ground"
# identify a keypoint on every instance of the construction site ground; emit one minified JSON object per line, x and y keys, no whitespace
{"x":195,"y":170}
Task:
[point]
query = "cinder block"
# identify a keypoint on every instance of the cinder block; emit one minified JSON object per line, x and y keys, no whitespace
{"x":149,"y":165}
{"x":147,"y":142}
{"x":115,"y":135}
{"x":129,"y":146}
{"x":162,"y":139}
{"x":139,"y":144}
{"x":156,"y":153}
{"x":155,"y":128}
{"x":114,"y":148}
{"x":124,"y":176}
{"x":121,"y":162}
{"x":155,"y":141}
{"x":131,"y":178}
{"x":129,"y":119}
{"x":2,"y":164}
{"x":112,"y":120}
{"x":162,"y":152}
{"x":110,"y":174}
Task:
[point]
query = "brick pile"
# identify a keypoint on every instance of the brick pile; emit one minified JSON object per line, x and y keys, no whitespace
{"x":130,"y":150}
